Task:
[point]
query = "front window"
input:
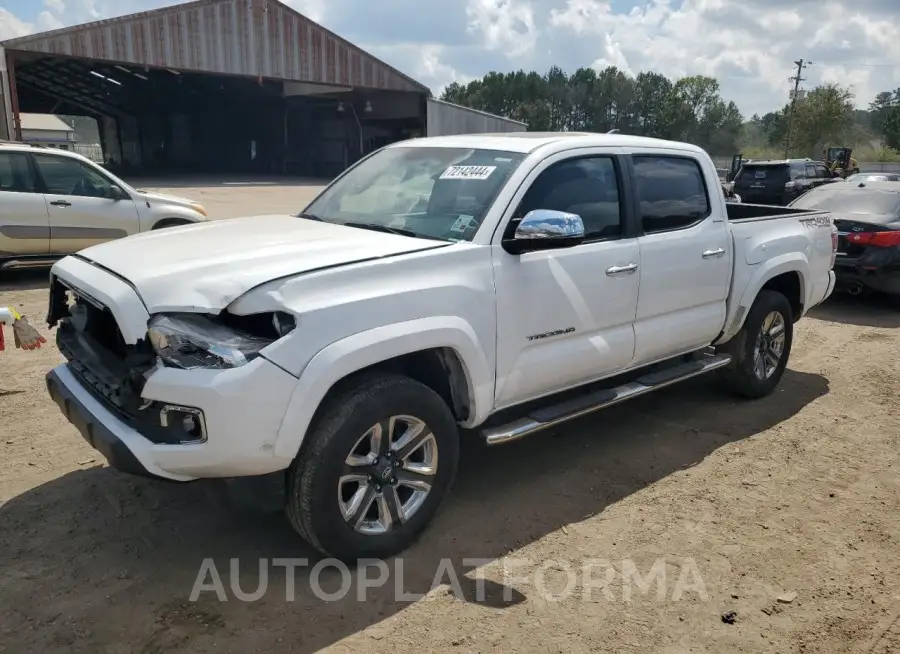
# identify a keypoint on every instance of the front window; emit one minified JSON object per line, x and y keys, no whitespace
{"x":840,"y":199}
{"x":430,"y":192}
{"x":65,"y":176}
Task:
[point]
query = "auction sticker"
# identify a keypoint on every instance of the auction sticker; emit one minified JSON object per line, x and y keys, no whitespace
{"x":462,"y":223}
{"x":468,"y":172}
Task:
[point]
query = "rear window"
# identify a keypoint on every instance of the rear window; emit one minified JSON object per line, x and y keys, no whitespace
{"x":840,"y":199}
{"x":750,"y":174}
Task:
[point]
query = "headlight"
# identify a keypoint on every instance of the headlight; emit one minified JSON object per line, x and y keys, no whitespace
{"x":189,"y":340}
{"x":199,"y":208}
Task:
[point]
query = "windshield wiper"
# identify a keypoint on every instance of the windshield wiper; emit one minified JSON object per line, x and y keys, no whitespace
{"x":309,"y":216}
{"x":384,"y":228}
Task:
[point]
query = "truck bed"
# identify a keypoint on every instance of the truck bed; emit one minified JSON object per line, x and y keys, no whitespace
{"x":739,"y":212}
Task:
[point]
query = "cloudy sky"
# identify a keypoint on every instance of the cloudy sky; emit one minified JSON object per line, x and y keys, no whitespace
{"x":749,"y":45}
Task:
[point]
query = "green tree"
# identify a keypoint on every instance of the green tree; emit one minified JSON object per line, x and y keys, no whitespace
{"x":652,"y":94}
{"x":824,"y":117}
{"x":890,"y":127}
{"x":598,"y":101}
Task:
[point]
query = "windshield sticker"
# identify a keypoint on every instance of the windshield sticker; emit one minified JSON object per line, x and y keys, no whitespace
{"x":468,"y":172}
{"x":462,"y":224}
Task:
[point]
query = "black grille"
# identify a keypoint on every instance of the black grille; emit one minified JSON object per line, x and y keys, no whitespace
{"x":109,"y":368}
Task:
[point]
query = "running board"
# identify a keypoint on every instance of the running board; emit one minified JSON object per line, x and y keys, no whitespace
{"x":553,"y":415}
{"x":21,"y":264}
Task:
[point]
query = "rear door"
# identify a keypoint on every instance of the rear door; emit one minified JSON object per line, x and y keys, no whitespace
{"x":24,"y":219}
{"x":685,"y":253}
{"x":84,"y":207}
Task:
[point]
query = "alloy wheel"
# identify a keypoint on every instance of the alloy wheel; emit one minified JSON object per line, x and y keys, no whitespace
{"x":388,"y":475}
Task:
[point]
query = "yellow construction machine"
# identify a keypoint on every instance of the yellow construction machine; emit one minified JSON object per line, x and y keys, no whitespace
{"x":840,"y":161}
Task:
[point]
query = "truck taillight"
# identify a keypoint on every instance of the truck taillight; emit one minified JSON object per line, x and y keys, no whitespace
{"x":876,"y":239}
{"x":834,"y":245}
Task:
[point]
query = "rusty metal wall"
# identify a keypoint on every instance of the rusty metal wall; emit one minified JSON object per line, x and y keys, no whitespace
{"x":241,"y":37}
{"x":6,"y":117}
{"x":444,"y":118}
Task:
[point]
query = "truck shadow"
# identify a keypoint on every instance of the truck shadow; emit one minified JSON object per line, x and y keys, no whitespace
{"x":24,"y":280}
{"x":874,"y":311}
{"x":118,"y":557}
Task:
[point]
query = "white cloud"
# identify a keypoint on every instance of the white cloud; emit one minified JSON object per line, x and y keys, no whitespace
{"x":506,"y":25}
{"x":11,"y":27}
{"x":57,"y":6}
{"x":312,"y":9}
{"x":424,"y":62}
{"x":612,"y":56}
{"x":748,"y":45}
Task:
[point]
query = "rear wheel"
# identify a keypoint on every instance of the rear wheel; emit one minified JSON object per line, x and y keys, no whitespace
{"x":761,"y":349}
{"x":376,"y":469}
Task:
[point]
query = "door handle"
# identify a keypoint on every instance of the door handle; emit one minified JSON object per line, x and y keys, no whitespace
{"x":618,"y":270}
{"x":714,"y":253}
{"x":61,"y":203}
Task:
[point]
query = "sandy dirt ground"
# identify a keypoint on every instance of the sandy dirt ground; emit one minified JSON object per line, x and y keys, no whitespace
{"x":771,"y":526}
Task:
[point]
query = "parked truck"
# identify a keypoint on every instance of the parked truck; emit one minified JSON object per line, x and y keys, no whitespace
{"x":488,"y":286}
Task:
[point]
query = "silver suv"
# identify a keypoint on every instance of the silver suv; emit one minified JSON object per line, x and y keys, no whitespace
{"x":54,"y":203}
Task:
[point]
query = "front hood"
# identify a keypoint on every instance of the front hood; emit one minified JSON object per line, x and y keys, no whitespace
{"x":206,"y":266}
{"x":168,"y":199}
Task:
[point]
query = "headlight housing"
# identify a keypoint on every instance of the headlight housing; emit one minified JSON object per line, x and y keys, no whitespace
{"x":199,"y":208}
{"x":192,"y":340}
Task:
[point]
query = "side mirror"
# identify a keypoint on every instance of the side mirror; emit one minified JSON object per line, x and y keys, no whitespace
{"x":545,"y":229}
{"x":116,"y":193}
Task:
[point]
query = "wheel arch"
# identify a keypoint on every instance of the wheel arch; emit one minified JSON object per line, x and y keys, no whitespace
{"x":162,"y":223}
{"x":442,"y":353}
{"x":786,"y":275}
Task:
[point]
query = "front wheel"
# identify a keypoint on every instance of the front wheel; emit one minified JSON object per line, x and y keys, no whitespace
{"x":760,"y":350}
{"x":376,"y":469}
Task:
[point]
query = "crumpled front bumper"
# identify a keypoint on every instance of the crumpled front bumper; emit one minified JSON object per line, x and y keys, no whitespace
{"x":243,"y":409}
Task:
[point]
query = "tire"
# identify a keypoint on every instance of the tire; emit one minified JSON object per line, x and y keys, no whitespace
{"x":741,"y":376}
{"x":314,"y":489}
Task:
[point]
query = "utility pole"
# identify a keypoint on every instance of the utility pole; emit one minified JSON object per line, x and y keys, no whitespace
{"x":796,"y":80}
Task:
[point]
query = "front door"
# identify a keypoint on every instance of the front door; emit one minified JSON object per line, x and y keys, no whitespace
{"x":565,"y":317}
{"x":84,"y":209}
{"x":24,"y":220}
{"x":685,"y":257}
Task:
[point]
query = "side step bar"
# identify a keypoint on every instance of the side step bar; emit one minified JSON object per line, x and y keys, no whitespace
{"x":21,"y":264}
{"x":550,"y":416}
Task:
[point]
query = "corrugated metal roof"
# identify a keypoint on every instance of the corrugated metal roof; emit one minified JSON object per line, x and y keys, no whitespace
{"x":44,"y":122}
{"x":239,"y":37}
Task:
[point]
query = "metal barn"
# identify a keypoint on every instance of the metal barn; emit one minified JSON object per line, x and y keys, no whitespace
{"x":222,"y":86}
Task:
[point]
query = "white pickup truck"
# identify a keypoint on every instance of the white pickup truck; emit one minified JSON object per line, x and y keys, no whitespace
{"x":442,"y":287}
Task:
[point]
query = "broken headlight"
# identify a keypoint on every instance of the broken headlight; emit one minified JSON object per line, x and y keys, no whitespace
{"x":190,"y":340}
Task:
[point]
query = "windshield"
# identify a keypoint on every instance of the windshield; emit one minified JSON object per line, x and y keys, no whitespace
{"x":431,"y":192}
{"x":850,"y":200}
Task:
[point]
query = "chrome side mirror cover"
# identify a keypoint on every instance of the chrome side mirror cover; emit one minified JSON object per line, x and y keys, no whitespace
{"x":545,"y":229}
